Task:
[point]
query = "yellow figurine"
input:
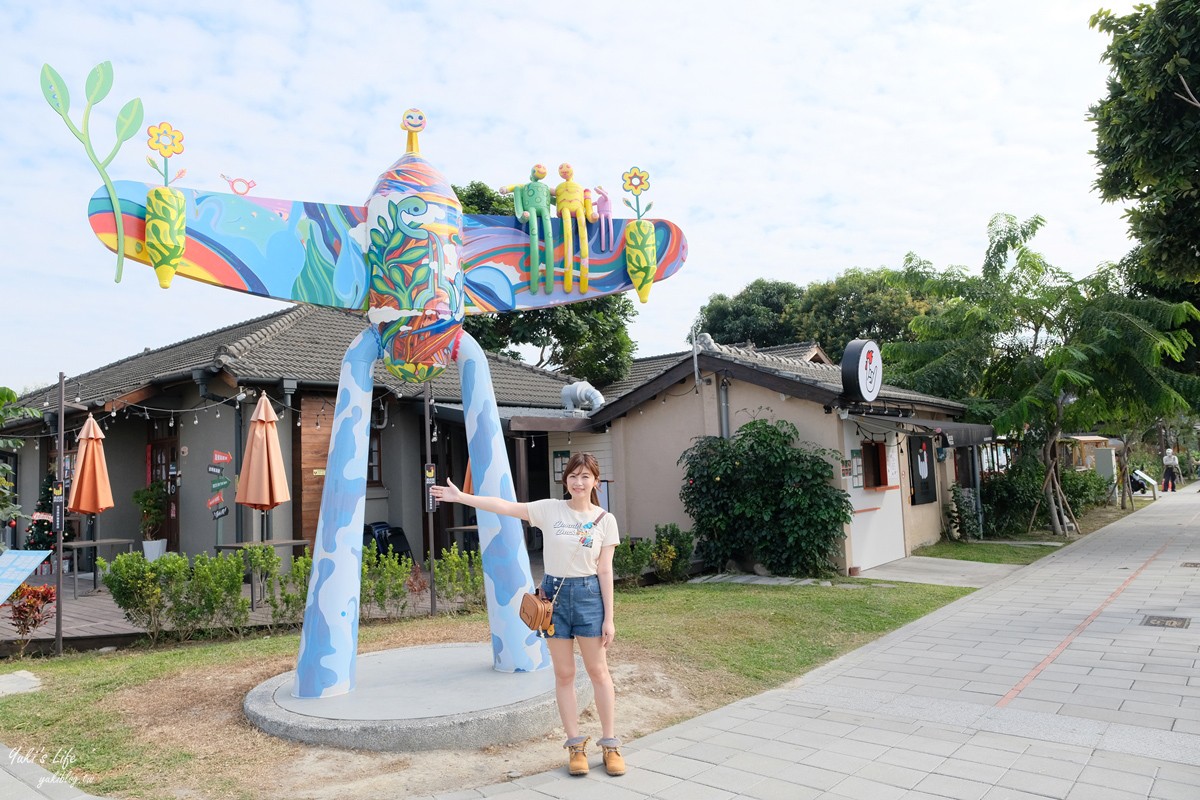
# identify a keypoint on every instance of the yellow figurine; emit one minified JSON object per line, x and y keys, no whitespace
{"x":572,"y":199}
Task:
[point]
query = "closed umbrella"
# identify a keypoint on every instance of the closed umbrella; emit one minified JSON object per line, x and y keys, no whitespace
{"x":262,"y":483}
{"x":91,"y":492}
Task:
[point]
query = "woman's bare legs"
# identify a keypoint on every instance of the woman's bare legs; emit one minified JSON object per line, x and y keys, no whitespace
{"x":562,"y":655}
{"x":595,"y":661}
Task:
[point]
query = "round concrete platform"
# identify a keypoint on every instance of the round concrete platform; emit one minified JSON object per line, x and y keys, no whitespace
{"x":418,"y":698}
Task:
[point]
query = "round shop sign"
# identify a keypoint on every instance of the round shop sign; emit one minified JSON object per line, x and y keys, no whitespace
{"x":862,"y":370}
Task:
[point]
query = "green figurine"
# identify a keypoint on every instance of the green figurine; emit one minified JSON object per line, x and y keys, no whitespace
{"x":532,"y":201}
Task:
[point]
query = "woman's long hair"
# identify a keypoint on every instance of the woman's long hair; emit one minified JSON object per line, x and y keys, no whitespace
{"x":589,"y":462}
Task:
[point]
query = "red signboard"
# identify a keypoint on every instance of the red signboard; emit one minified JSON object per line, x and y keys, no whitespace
{"x":220,"y":457}
{"x":216,"y":499}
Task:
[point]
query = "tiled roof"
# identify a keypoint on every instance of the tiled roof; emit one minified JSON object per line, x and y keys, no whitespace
{"x":804,"y":351}
{"x":642,"y":371}
{"x":790,"y":361}
{"x":302,"y":342}
{"x":825,"y":376}
{"x":646,"y":369}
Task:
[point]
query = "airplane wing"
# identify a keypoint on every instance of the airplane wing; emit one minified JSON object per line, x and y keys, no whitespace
{"x":312,"y":252}
{"x":288,"y":250}
{"x":495,"y":261}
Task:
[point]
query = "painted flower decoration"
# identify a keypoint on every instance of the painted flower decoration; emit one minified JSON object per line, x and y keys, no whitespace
{"x":165,"y":139}
{"x":636,"y":181}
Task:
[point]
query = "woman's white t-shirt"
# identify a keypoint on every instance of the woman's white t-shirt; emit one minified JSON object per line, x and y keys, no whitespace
{"x":571,"y":540}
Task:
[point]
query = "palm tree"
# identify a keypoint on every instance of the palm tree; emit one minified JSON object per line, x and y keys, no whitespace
{"x":1045,"y":351}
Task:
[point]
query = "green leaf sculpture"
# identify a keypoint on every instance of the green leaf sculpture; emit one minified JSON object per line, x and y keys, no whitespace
{"x":129,"y":121}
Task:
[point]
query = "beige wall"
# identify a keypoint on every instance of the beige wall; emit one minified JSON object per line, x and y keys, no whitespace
{"x":647,"y":443}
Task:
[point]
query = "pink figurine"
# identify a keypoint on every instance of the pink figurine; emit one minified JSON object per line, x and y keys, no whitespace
{"x":604,"y":211}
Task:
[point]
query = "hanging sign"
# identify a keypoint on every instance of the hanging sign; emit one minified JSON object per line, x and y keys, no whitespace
{"x":223,"y":511}
{"x":58,"y":502}
{"x":430,"y":480}
{"x":214,"y":470}
{"x":16,"y":566}
{"x":216,"y":500}
{"x":862,"y":371}
{"x":219,"y":483}
{"x":221,"y":457}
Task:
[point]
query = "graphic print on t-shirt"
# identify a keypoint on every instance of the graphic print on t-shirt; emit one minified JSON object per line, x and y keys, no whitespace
{"x":580,"y":530}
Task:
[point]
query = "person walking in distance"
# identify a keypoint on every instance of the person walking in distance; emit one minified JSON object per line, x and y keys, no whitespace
{"x":1170,"y":470}
{"x":579,"y":538}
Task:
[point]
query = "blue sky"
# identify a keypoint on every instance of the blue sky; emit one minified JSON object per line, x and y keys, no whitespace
{"x":791,"y":140}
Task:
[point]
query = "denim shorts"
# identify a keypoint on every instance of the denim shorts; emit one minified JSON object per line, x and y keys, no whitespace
{"x":578,"y":608}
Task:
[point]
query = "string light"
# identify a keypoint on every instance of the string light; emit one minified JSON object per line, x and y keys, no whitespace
{"x":218,"y":412}
{"x":195,"y":419}
{"x":171,"y":424}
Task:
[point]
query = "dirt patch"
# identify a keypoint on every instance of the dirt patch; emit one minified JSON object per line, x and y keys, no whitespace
{"x":199,"y":712}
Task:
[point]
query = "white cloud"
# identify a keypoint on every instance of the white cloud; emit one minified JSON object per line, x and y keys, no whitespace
{"x":790,"y":140}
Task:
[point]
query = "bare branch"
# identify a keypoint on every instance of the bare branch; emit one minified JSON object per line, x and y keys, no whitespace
{"x":1191,"y":98}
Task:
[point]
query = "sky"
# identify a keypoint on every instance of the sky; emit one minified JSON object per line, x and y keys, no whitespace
{"x":790,"y":140}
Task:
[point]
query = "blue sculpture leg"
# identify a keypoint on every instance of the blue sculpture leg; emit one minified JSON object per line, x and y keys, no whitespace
{"x":506,"y":571}
{"x":329,"y":639}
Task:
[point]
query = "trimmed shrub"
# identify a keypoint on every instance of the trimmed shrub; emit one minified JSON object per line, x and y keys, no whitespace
{"x":760,"y":496}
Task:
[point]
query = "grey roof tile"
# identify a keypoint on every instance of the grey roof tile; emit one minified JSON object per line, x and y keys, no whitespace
{"x":302,"y":342}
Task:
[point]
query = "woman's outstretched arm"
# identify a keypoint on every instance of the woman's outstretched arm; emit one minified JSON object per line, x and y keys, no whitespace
{"x":452,"y":494}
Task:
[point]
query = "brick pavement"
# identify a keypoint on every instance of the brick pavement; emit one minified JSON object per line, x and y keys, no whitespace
{"x":1046,"y":684}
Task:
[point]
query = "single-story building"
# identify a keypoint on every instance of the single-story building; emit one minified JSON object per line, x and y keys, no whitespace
{"x":174,"y":412}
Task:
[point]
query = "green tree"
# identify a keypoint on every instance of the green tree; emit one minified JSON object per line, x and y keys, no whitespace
{"x":755,"y":314}
{"x":10,"y":411}
{"x":1043,"y":350}
{"x":857,"y":304}
{"x":1148,"y":132}
{"x":588,"y":340}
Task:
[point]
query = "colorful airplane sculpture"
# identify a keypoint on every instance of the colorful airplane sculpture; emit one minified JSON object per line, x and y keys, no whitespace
{"x":415,"y":265}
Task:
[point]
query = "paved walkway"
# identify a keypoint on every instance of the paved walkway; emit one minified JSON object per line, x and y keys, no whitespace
{"x":1045,"y":684}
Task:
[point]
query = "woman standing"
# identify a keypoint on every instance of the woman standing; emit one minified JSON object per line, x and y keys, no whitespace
{"x":578,"y":543}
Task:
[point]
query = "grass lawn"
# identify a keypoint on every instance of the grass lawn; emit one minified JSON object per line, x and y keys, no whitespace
{"x":987,"y":552}
{"x":166,"y":721}
{"x":1026,"y":552}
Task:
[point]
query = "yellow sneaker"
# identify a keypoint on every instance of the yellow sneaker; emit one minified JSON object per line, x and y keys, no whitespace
{"x":577,"y":763}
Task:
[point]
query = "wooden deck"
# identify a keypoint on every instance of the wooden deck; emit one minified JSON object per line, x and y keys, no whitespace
{"x":93,"y":620}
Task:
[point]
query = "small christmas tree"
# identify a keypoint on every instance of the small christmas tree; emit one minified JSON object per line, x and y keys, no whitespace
{"x":40,"y":534}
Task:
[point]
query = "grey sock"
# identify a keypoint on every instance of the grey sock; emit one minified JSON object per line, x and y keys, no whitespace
{"x":609,"y":742}
{"x":576,"y":740}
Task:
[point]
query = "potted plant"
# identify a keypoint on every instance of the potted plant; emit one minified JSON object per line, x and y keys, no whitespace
{"x":152,"y":503}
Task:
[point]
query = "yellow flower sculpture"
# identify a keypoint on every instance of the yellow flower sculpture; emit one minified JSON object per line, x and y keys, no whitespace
{"x":636,"y":181}
{"x":641,"y":242}
{"x":165,"y":139}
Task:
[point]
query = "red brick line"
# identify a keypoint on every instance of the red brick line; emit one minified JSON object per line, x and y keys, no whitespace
{"x":1048,"y":660}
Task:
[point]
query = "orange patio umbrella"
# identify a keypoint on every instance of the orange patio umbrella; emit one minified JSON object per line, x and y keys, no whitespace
{"x":91,"y":492}
{"x":262,"y":483}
